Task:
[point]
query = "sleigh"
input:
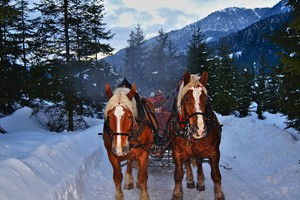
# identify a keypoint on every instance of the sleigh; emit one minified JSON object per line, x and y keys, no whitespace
{"x":160,"y":152}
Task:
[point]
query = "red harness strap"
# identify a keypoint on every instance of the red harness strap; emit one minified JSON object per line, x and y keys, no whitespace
{"x":181,"y":121}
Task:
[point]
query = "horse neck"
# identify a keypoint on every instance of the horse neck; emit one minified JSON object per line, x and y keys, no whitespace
{"x":211,"y":116}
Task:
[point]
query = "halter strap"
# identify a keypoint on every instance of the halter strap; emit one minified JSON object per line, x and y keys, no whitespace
{"x":196,"y":113}
{"x":122,"y":134}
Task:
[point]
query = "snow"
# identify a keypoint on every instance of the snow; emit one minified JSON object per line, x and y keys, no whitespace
{"x":259,"y":160}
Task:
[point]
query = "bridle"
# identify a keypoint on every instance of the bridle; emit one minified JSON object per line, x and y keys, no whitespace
{"x":137,"y":128}
{"x":186,"y":130}
{"x":112,"y":134}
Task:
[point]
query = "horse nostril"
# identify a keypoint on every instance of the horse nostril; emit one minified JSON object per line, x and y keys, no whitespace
{"x":113,"y":149}
{"x":125,"y":149}
{"x":194,"y":129}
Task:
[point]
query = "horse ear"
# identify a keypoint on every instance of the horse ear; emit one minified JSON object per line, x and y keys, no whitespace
{"x":204,"y":78}
{"x":186,"y":77}
{"x":108,"y":91}
{"x":132,"y":92}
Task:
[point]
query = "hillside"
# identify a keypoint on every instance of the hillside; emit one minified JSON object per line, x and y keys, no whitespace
{"x":255,"y":40}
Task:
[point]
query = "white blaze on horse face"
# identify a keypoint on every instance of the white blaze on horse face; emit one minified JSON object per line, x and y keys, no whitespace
{"x":196,"y":94}
{"x":119,"y":112}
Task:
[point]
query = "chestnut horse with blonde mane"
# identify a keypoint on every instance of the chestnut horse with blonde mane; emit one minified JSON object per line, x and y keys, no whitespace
{"x":194,"y":133}
{"x":128,"y":135}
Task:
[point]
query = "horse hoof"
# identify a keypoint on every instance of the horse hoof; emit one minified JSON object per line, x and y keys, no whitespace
{"x":221,"y":196}
{"x":129,"y":186}
{"x":145,"y":196}
{"x":119,"y":196}
{"x":177,"y":197}
{"x":200,"y":187}
{"x":190,"y":185}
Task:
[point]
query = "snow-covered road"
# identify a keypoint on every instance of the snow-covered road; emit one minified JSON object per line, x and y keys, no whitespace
{"x":259,"y":160}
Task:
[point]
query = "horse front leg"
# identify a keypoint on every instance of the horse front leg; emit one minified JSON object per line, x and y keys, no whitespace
{"x":190,"y":183}
{"x":200,"y":176}
{"x":216,"y":176}
{"x":117,"y":176}
{"x":178,"y":177}
{"x":143,"y":176}
{"x":129,"y":183}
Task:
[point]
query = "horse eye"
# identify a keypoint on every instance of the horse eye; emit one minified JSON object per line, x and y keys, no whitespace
{"x":130,"y":117}
{"x":186,"y":98}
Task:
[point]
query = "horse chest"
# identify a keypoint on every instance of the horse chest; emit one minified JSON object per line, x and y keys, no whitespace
{"x":189,"y":148}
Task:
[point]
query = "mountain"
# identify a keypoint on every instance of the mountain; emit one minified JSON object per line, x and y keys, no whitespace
{"x":215,"y":26}
{"x":255,"y":41}
{"x":219,"y":24}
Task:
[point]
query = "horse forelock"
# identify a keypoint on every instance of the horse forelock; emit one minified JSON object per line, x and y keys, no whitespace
{"x":194,"y":83}
{"x":119,"y":98}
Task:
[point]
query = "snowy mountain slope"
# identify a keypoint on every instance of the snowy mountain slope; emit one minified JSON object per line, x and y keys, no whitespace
{"x":215,"y":26}
{"x":255,"y":40}
{"x":259,"y":160}
{"x":219,"y":24}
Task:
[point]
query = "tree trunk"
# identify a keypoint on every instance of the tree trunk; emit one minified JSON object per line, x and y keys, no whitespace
{"x":69,"y":92}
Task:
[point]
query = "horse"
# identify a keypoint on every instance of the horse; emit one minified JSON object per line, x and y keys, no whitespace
{"x":195,"y":133}
{"x":128,"y":134}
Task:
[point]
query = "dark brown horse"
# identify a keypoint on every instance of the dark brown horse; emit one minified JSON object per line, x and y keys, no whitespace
{"x":196,"y":134}
{"x":128,"y":135}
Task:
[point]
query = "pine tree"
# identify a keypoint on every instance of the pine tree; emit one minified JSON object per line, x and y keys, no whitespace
{"x":175,"y":63}
{"x":66,"y":32}
{"x":87,"y":40}
{"x":24,"y":29}
{"x":157,"y":61}
{"x":24,"y":32}
{"x":246,"y":82}
{"x":223,"y":82}
{"x":90,"y":29}
{"x":260,"y":91}
{"x":272,"y":90}
{"x":135,"y":57}
{"x":12,"y":74}
{"x":197,"y":53}
{"x":162,"y":59}
{"x":289,"y":39}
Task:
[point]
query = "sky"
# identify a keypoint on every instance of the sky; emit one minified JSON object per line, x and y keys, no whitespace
{"x":122,"y":16}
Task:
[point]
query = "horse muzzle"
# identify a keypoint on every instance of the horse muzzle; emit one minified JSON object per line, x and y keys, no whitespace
{"x":121,"y":151}
{"x":198,"y":133}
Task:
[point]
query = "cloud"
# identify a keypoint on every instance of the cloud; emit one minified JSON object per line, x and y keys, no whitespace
{"x":176,"y":18}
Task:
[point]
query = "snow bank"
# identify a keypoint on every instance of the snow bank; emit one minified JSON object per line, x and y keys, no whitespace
{"x":40,"y":165}
{"x":259,"y":152}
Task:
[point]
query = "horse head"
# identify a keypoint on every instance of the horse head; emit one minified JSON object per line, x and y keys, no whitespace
{"x":120,"y":117}
{"x":191,"y":101}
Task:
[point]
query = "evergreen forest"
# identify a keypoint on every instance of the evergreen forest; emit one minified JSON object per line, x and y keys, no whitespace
{"x":53,"y":62}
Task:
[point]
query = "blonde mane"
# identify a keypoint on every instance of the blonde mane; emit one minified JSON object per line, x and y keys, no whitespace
{"x":120,"y":98}
{"x":194,"y":82}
